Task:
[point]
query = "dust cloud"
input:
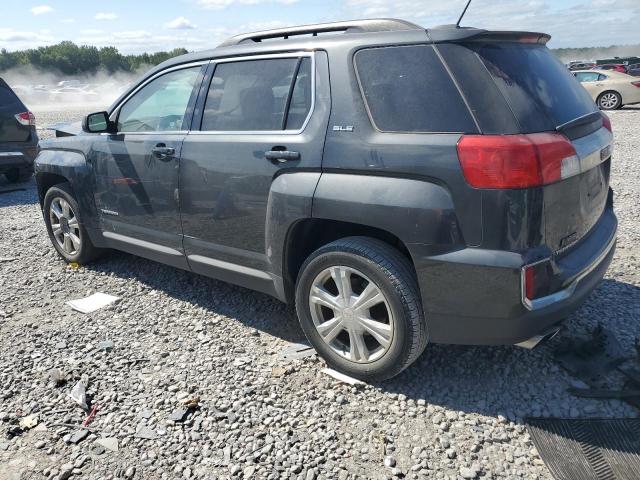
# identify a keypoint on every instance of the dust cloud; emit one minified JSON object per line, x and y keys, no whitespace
{"x":45,"y":91}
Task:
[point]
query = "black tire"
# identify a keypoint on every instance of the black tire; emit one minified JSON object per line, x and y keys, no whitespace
{"x":86,"y":251}
{"x":393,"y":275}
{"x":603,"y":104}
{"x":18,"y":175}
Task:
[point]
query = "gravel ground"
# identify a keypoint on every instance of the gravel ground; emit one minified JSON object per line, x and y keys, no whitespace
{"x":456,"y":413}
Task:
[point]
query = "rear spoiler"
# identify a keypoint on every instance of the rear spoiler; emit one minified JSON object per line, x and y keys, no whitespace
{"x":451,"y":33}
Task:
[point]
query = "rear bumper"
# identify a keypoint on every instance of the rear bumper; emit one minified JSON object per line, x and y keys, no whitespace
{"x":475,"y":296}
{"x":17,"y":156}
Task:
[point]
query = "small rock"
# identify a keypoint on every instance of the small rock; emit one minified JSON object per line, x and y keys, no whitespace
{"x":389,"y":462}
{"x":106,"y":345}
{"x":78,"y":436}
{"x":468,"y":473}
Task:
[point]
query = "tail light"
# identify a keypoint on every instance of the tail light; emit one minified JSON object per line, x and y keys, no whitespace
{"x":26,"y":118}
{"x":516,"y":161}
{"x":606,"y":122}
{"x":529,"y":279}
{"x":636,"y":84}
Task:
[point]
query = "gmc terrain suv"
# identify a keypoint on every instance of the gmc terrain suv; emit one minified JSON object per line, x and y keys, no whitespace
{"x":400,"y":185}
{"x":18,"y":137}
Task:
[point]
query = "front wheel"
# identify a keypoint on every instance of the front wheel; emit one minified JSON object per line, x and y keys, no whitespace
{"x":609,"y":101}
{"x":65,"y":228}
{"x":359,"y":305}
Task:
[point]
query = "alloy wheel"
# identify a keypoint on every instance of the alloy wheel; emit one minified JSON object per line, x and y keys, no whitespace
{"x":351,"y":314}
{"x":609,"y":100}
{"x":65,"y":226}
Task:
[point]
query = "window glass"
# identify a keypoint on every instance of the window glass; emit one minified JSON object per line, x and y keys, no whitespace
{"x":540,"y":90}
{"x":253,"y":95}
{"x":587,"y":76}
{"x":407,"y":89}
{"x":602,"y":77}
{"x":300,"y":97}
{"x":161,"y":105}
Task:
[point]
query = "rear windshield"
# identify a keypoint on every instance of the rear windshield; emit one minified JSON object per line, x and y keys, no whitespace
{"x":540,"y":90}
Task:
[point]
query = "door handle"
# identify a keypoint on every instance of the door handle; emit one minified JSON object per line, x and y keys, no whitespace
{"x":281,"y":156}
{"x":163,"y":152}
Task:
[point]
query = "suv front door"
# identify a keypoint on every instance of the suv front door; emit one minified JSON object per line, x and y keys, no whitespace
{"x":137,"y":168}
{"x":252,"y":108}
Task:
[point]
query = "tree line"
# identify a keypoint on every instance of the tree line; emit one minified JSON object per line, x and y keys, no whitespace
{"x":71,"y":59}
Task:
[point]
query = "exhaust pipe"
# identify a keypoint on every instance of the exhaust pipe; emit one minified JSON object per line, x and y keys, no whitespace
{"x":536,"y":340}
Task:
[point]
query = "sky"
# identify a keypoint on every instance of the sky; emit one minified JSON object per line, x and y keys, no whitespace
{"x":135,"y":26}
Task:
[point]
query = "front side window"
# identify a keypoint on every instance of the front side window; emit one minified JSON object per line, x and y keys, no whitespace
{"x":407,"y":89}
{"x":259,"y":95}
{"x":161,"y":105}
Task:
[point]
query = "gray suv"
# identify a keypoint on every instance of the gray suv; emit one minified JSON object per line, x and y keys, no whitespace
{"x":399,"y":185}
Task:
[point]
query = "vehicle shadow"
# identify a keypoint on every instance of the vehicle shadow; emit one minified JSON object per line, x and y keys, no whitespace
{"x":253,"y":309}
{"x":13,"y":194}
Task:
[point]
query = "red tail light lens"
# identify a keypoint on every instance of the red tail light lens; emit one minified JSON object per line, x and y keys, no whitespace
{"x":26,"y":118}
{"x":636,"y":84}
{"x":516,"y":161}
{"x":529,"y":282}
{"x":606,"y":122}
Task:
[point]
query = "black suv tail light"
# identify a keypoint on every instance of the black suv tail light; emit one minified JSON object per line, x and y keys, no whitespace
{"x":26,"y":118}
{"x":516,"y":161}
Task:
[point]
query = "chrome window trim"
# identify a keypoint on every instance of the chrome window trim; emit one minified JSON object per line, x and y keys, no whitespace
{"x":299,"y":54}
{"x":117,"y":108}
{"x":11,"y":154}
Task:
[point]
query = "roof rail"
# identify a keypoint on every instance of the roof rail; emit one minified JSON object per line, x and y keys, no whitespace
{"x":352,"y":26}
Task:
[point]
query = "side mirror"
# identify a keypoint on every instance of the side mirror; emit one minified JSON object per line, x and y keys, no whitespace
{"x":98,"y":123}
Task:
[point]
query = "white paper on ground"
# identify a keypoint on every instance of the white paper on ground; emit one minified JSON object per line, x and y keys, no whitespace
{"x":92,"y":302}
{"x":342,"y":377}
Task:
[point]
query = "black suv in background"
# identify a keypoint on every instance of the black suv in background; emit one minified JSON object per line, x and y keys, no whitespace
{"x":18,"y":137}
{"x":399,"y":185}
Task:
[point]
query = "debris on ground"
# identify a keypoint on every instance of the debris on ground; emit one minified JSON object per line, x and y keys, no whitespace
{"x":92,"y":302}
{"x":146,"y":433}
{"x":91,"y":416}
{"x":296,"y":351}
{"x":78,"y":436}
{"x":106,"y":345}
{"x":179,"y":415}
{"x":278,"y":371}
{"x":109,"y":443}
{"x":57,"y":377}
{"x":342,"y":377}
{"x":29,"y":422}
{"x":79,"y":395}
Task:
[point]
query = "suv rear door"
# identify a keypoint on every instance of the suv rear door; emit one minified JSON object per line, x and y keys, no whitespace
{"x":253,"y":107}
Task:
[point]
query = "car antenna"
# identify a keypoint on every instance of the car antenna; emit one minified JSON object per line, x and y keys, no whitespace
{"x":462,"y":14}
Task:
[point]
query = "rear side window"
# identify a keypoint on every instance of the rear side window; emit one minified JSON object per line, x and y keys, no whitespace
{"x":407,"y":89}
{"x":587,"y":76}
{"x":542,"y":93}
{"x":259,"y":95}
{"x":9,"y":100}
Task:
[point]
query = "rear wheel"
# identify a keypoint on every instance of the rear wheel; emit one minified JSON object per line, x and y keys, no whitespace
{"x":358,"y":302}
{"x":18,"y":175}
{"x":66,"y":231}
{"x":609,"y":100}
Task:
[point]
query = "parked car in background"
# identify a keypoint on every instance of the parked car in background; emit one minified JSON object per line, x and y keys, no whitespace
{"x":617,"y":67}
{"x":634,"y":69}
{"x":18,"y":137}
{"x":396,"y":193}
{"x":610,"y":90}
{"x":580,"y":65}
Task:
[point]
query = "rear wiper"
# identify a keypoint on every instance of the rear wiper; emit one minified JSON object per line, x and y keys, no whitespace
{"x":576,"y":122}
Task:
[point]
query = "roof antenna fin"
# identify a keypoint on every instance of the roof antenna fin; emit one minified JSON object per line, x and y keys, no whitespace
{"x":462,"y":14}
